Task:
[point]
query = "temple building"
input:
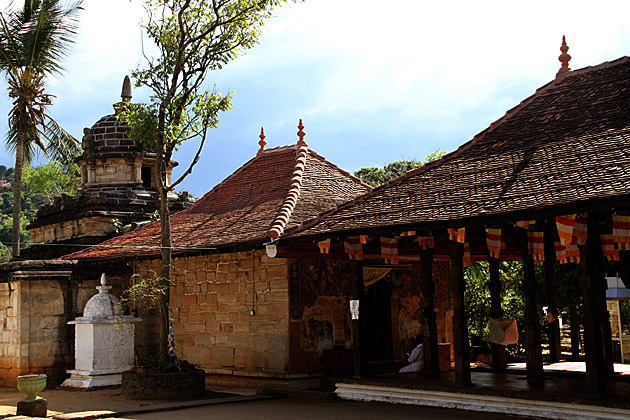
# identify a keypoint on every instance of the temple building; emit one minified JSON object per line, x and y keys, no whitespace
{"x":116,"y":184}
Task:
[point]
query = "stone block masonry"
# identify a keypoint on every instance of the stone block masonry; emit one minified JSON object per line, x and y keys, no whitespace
{"x":231,"y":311}
{"x":34,"y":335}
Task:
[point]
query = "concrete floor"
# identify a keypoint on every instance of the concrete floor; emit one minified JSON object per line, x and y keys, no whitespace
{"x":304,"y":409}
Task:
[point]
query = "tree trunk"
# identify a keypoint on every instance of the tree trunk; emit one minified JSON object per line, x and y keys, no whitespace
{"x":17,"y":192}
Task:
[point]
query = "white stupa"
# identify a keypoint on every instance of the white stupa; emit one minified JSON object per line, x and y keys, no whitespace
{"x":104,"y":342}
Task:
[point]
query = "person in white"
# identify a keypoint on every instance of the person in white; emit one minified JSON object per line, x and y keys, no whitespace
{"x":416,"y":358}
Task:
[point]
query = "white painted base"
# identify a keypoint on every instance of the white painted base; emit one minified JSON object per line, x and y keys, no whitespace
{"x":483,"y":403}
{"x":78,"y":380}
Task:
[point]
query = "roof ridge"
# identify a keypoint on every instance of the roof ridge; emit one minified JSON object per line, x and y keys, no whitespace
{"x":293,"y":194}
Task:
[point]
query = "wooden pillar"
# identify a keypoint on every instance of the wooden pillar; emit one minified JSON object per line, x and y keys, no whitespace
{"x":575,"y":329}
{"x":593,"y":336}
{"x":499,"y":356}
{"x":358,"y":325}
{"x":551,"y":287}
{"x":429,"y":322}
{"x":460,"y":323}
{"x":533,"y":350}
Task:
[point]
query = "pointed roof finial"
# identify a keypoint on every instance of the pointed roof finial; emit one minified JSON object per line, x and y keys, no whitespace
{"x":301,"y":134}
{"x":564,"y":58}
{"x":262,"y":141}
{"x":126,"y":90}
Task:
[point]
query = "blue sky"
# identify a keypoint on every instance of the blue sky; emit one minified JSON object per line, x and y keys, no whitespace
{"x":372,"y":83}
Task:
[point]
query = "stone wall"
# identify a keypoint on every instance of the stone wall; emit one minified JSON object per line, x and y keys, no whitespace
{"x":61,"y":231}
{"x":34,"y":335}
{"x":411,"y":305}
{"x":230,"y":312}
{"x":324,"y":317}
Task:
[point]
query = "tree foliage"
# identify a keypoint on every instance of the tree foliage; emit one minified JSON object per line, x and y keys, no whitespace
{"x":52,"y":179}
{"x":379,"y":176}
{"x":41,"y":185}
{"x":192,"y":38}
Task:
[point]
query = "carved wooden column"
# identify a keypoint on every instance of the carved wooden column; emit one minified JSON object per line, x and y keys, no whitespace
{"x":533,"y":350}
{"x":429,"y":321}
{"x":499,"y":356}
{"x":358,"y":325}
{"x":551,"y":286}
{"x":460,"y":322}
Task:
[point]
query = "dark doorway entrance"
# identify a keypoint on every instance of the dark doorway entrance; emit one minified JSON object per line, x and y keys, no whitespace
{"x":379,"y":321}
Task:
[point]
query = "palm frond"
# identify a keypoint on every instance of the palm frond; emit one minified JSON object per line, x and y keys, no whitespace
{"x":61,"y":145}
{"x":47,"y":36}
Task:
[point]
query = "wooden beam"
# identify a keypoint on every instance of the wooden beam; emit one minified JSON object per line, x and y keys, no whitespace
{"x":551,"y":287}
{"x":429,"y":319}
{"x":593,"y":346}
{"x":460,"y":323}
{"x":499,"y":355}
{"x":358,"y":325}
{"x":533,"y":350}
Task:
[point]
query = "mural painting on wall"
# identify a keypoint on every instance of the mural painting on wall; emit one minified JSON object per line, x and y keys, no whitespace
{"x":324,"y":294}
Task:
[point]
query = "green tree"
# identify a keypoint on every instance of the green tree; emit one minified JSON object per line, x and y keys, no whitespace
{"x":33,"y":40}
{"x":192,"y":38}
{"x":379,"y":176}
{"x":52,"y":179}
{"x":41,"y":185}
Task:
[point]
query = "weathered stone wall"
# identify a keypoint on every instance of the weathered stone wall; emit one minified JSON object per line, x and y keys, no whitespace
{"x":85,"y":226}
{"x":34,"y":335}
{"x":324,"y":316}
{"x":411,"y":305}
{"x":230,"y":311}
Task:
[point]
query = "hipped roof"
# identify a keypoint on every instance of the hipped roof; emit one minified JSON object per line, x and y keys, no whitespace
{"x":564,"y":149}
{"x":274,"y":191}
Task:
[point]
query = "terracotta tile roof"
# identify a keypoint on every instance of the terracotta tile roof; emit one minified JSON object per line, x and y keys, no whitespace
{"x":565,"y":148}
{"x":276,"y":190}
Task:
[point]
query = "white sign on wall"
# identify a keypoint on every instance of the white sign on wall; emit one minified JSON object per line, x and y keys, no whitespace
{"x":354,"y":309}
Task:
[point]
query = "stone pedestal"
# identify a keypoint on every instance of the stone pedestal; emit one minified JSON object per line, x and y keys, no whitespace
{"x":104,"y":342}
{"x":36,"y":408}
{"x":103,"y":350}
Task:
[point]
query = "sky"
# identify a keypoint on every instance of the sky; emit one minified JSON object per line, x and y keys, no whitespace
{"x":373,"y":81}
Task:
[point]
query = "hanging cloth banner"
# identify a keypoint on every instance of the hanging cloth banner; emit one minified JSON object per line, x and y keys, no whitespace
{"x":524,"y":223}
{"x":408,"y":233}
{"x":493,"y":240}
{"x":324,"y":246}
{"x":389,"y":250}
{"x":621,"y":230}
{"x":579,"y":229}
{"x":561,"y":253}
{"x":569,"y":254}
{"x":573,"y":253}
{"x":457,"y":235}
{"x":608,"y":247}
{"x":503,"y":331}
{"x":467,"y":259}
{"x":363,"y":239}
{"x":426,"y":242}
{"x":565,"y":228}
{"x":353,"y":247}
{"x":536,"y":243}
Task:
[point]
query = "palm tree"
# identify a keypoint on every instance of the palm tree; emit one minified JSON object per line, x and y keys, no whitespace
{"x":32,"y":42}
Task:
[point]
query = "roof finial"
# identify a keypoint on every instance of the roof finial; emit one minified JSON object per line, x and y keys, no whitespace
{"x":126,"y":90}
{"x":301,"y":134}
{"x":564,"y":58}
{"x":262,"y":141}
